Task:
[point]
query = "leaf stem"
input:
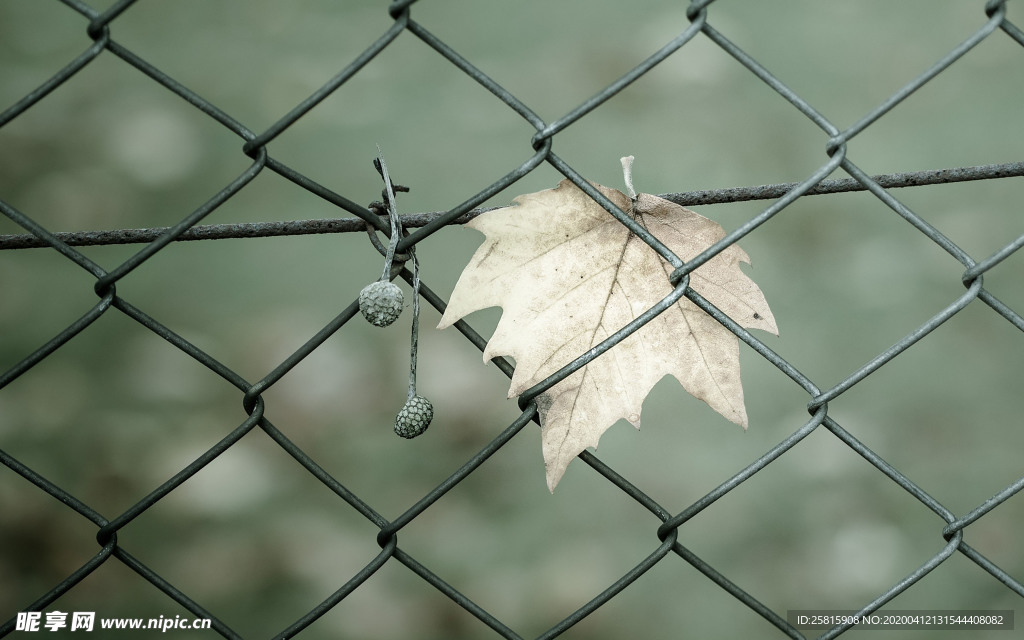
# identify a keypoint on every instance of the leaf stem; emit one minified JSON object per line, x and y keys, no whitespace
{"x":627,"y":176}
{"x":392,"y":215}
{"x":415,"y":323}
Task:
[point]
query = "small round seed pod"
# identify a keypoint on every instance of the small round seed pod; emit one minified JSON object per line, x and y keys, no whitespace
{"x":381,"y":303}
{"x":414,"y":418}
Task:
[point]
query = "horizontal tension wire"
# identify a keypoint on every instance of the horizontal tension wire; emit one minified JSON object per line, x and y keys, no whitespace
{"x":347,"y":225}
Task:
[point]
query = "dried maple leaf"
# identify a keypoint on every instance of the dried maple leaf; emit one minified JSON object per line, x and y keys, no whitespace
{"x":568,"y":275}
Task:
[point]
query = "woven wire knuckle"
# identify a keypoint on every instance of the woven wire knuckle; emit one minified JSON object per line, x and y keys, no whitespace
{"x":680,"y":278}
{"x":672,"y":521}
{"x":400,"y":8}
{"x":992,"y":7}
{"x":697,"y":10}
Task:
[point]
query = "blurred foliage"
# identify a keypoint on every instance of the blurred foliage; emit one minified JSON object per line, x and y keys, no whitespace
{"x":258,"y":541}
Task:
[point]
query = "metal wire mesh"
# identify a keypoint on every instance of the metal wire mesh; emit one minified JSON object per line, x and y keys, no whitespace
{"x":665,"y":547}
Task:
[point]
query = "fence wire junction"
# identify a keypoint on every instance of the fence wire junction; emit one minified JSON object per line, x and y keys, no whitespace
{"x":100,"y":28}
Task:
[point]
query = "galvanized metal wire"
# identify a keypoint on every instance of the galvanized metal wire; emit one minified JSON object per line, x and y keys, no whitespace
{"x":666,"y":548}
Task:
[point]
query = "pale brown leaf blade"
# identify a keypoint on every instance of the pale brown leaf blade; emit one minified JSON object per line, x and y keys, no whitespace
{"x":567,"y":275}
{"x":720,"y":280}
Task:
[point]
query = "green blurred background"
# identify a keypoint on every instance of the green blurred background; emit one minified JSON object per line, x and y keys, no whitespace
{"x":258,"y":541}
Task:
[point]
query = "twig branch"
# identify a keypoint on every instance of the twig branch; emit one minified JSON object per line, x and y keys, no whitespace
{"x":347,"y":225}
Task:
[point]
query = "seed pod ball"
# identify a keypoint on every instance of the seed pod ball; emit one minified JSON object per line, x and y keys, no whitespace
{"x":381,"y":303}
{"x":414,"y":418}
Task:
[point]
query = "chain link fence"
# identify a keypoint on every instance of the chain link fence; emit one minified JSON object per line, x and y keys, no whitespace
{"x":666,"y":524}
